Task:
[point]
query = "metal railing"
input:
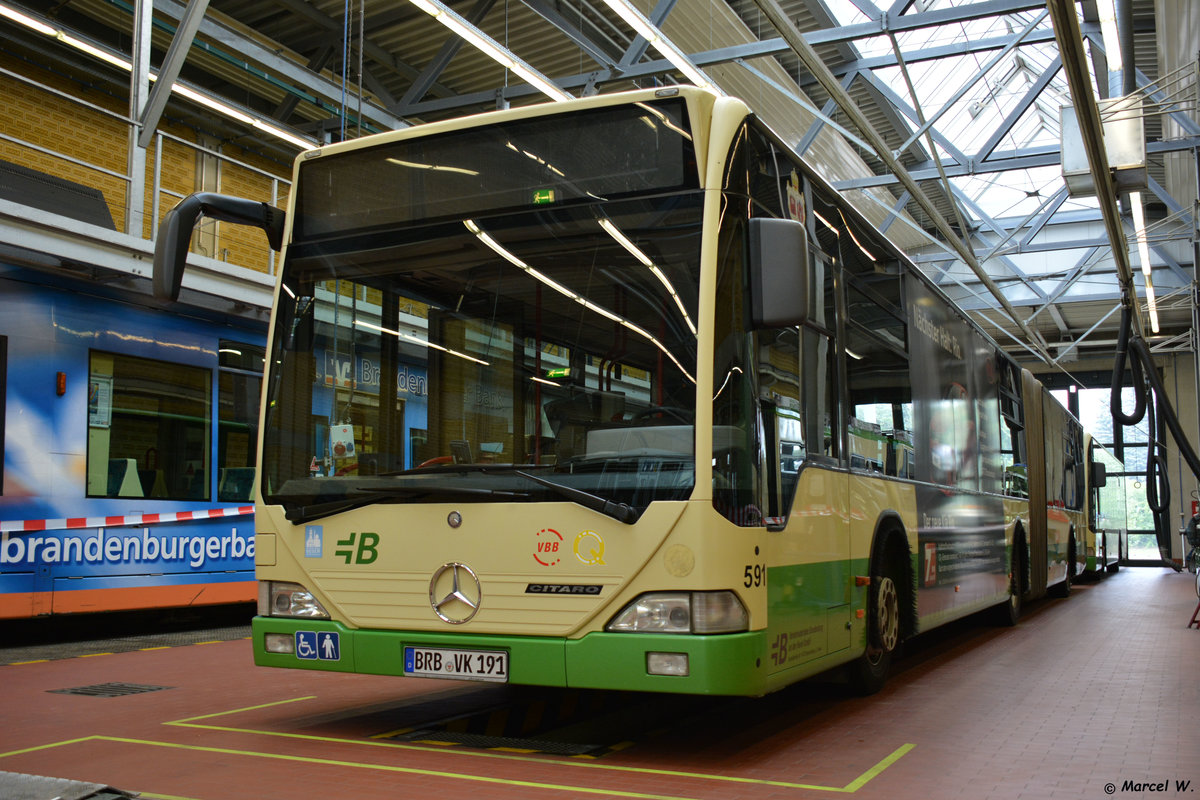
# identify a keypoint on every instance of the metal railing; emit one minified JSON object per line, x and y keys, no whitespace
{"x":233,"y":244}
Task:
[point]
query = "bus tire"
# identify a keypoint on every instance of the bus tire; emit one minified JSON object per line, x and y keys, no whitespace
{"x":885,"y":620}
{"x":1008,"y":613}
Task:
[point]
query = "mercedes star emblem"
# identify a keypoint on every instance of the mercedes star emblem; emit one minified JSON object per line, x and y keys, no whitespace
{"x":454,"y":593}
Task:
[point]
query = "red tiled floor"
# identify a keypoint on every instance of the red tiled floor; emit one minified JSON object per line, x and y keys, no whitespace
{"x":1098,"y":689}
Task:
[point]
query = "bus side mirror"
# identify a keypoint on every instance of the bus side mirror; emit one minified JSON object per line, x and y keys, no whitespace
{"x":1099,"y":475}
{"x":175,"y":232}
{"x":778,"y":273}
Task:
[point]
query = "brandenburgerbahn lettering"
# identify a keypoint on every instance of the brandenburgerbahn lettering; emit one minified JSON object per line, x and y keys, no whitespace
{"x":563,"y":588}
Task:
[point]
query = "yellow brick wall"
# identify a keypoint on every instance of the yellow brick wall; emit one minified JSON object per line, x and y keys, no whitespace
{"x":46,"y":120}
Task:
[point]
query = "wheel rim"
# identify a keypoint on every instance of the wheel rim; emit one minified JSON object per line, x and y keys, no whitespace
{"x":887,"y":613}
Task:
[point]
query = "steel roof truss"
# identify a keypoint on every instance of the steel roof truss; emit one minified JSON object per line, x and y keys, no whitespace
{"x":592,"y":44}
{"x":428,"y":77}
{"x":376,"y":53}
{"x":907,"y":110}
{"x":966,"y":87}
{"x":284,"y":67}
{"x":1014,"y":116}
{"x":937,"y":53}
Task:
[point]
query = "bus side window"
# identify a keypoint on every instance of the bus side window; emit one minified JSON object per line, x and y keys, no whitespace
{"x":782,"y":418}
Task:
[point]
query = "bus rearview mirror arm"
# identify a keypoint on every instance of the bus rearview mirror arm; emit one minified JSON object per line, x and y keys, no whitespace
{"x":175,"y":232}
{"x":778,"y":273}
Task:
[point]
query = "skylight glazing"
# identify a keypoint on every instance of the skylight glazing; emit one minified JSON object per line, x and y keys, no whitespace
{"x":973,"y":95}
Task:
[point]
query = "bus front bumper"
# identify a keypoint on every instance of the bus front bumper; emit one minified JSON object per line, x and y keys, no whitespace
{"x":727,"y":664}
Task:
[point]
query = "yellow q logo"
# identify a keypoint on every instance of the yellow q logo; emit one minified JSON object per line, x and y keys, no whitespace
{"x":589,"y":548}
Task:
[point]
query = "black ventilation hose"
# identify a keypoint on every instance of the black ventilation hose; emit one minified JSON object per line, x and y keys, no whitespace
{"x":1145,"y":381}
{"x":1114,"y":400}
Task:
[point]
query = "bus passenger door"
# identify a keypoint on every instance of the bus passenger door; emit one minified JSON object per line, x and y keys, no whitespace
{"x":809,"y":563}
{"x":808,"y":546}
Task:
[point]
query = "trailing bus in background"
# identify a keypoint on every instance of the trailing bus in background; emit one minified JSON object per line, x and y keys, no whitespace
{"x":130,"y":438}
{"x":1107,"y":523}
{"x":618,"y":393}
{"x":1058,"y":520}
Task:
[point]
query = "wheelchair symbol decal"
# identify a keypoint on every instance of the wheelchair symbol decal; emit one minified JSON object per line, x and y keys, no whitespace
{"x":314,"y":646}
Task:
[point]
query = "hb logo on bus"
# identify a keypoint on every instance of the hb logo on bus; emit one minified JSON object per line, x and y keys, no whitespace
{"x":364,"y":553}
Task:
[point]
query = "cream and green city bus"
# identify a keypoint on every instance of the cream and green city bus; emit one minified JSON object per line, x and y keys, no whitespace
{"x":1107,"y":523}
{"x":617,"y":393}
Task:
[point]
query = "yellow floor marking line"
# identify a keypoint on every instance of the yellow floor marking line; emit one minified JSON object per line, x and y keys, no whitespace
{"x":861,"y":780}
{"x":38,"y":747}
{"x":240,"y":710}
{"x":393,"y":734}
{"x":332,"y":762}
{"x":850,"y":788}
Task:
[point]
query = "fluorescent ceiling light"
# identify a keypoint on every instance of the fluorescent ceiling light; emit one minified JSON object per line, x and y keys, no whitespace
{"x":513,"y":259}
{"x":623,"y":240}
{"x":1143,"y":247}
{"x":194,"y":95}
{"x":431,"y":167}
{"x":215,"y":105}
{"x":854,"y":239}
{"x":539,"y":81}
{"x":637,"y":253}
{"x":418,"y":341}
{"x":667,"y":123}
{"x":1108,"y":31}
{"x":826,"y":223}
{"x":91,"y":50}
{"x":27,"y":21}
{"x":279,"y":133}
{"x":666,"y":48}
{"x":491,"y":48}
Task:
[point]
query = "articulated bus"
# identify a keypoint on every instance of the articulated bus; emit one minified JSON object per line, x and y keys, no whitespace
{"x":618,"y":393}
{"x":129,"y":435}
{"x":1107,"y":523}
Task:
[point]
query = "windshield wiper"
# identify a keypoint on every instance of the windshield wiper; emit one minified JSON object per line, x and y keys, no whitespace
{"x":365,"y":496}
{"x":618,"y":511}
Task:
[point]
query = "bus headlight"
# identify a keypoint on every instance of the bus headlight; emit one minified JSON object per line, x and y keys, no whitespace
{"x":280,"y":599}
{"x":682,"y":612}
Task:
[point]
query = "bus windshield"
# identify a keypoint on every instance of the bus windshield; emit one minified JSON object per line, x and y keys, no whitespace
{"x":524,"y":352}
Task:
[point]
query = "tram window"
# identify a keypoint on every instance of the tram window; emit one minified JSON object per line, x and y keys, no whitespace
{"x":148,"y":428}
{"x":3,"y":394}
{"x":237,"y":434}
{"x":237,"y":419}
{"x":240,"y":355}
